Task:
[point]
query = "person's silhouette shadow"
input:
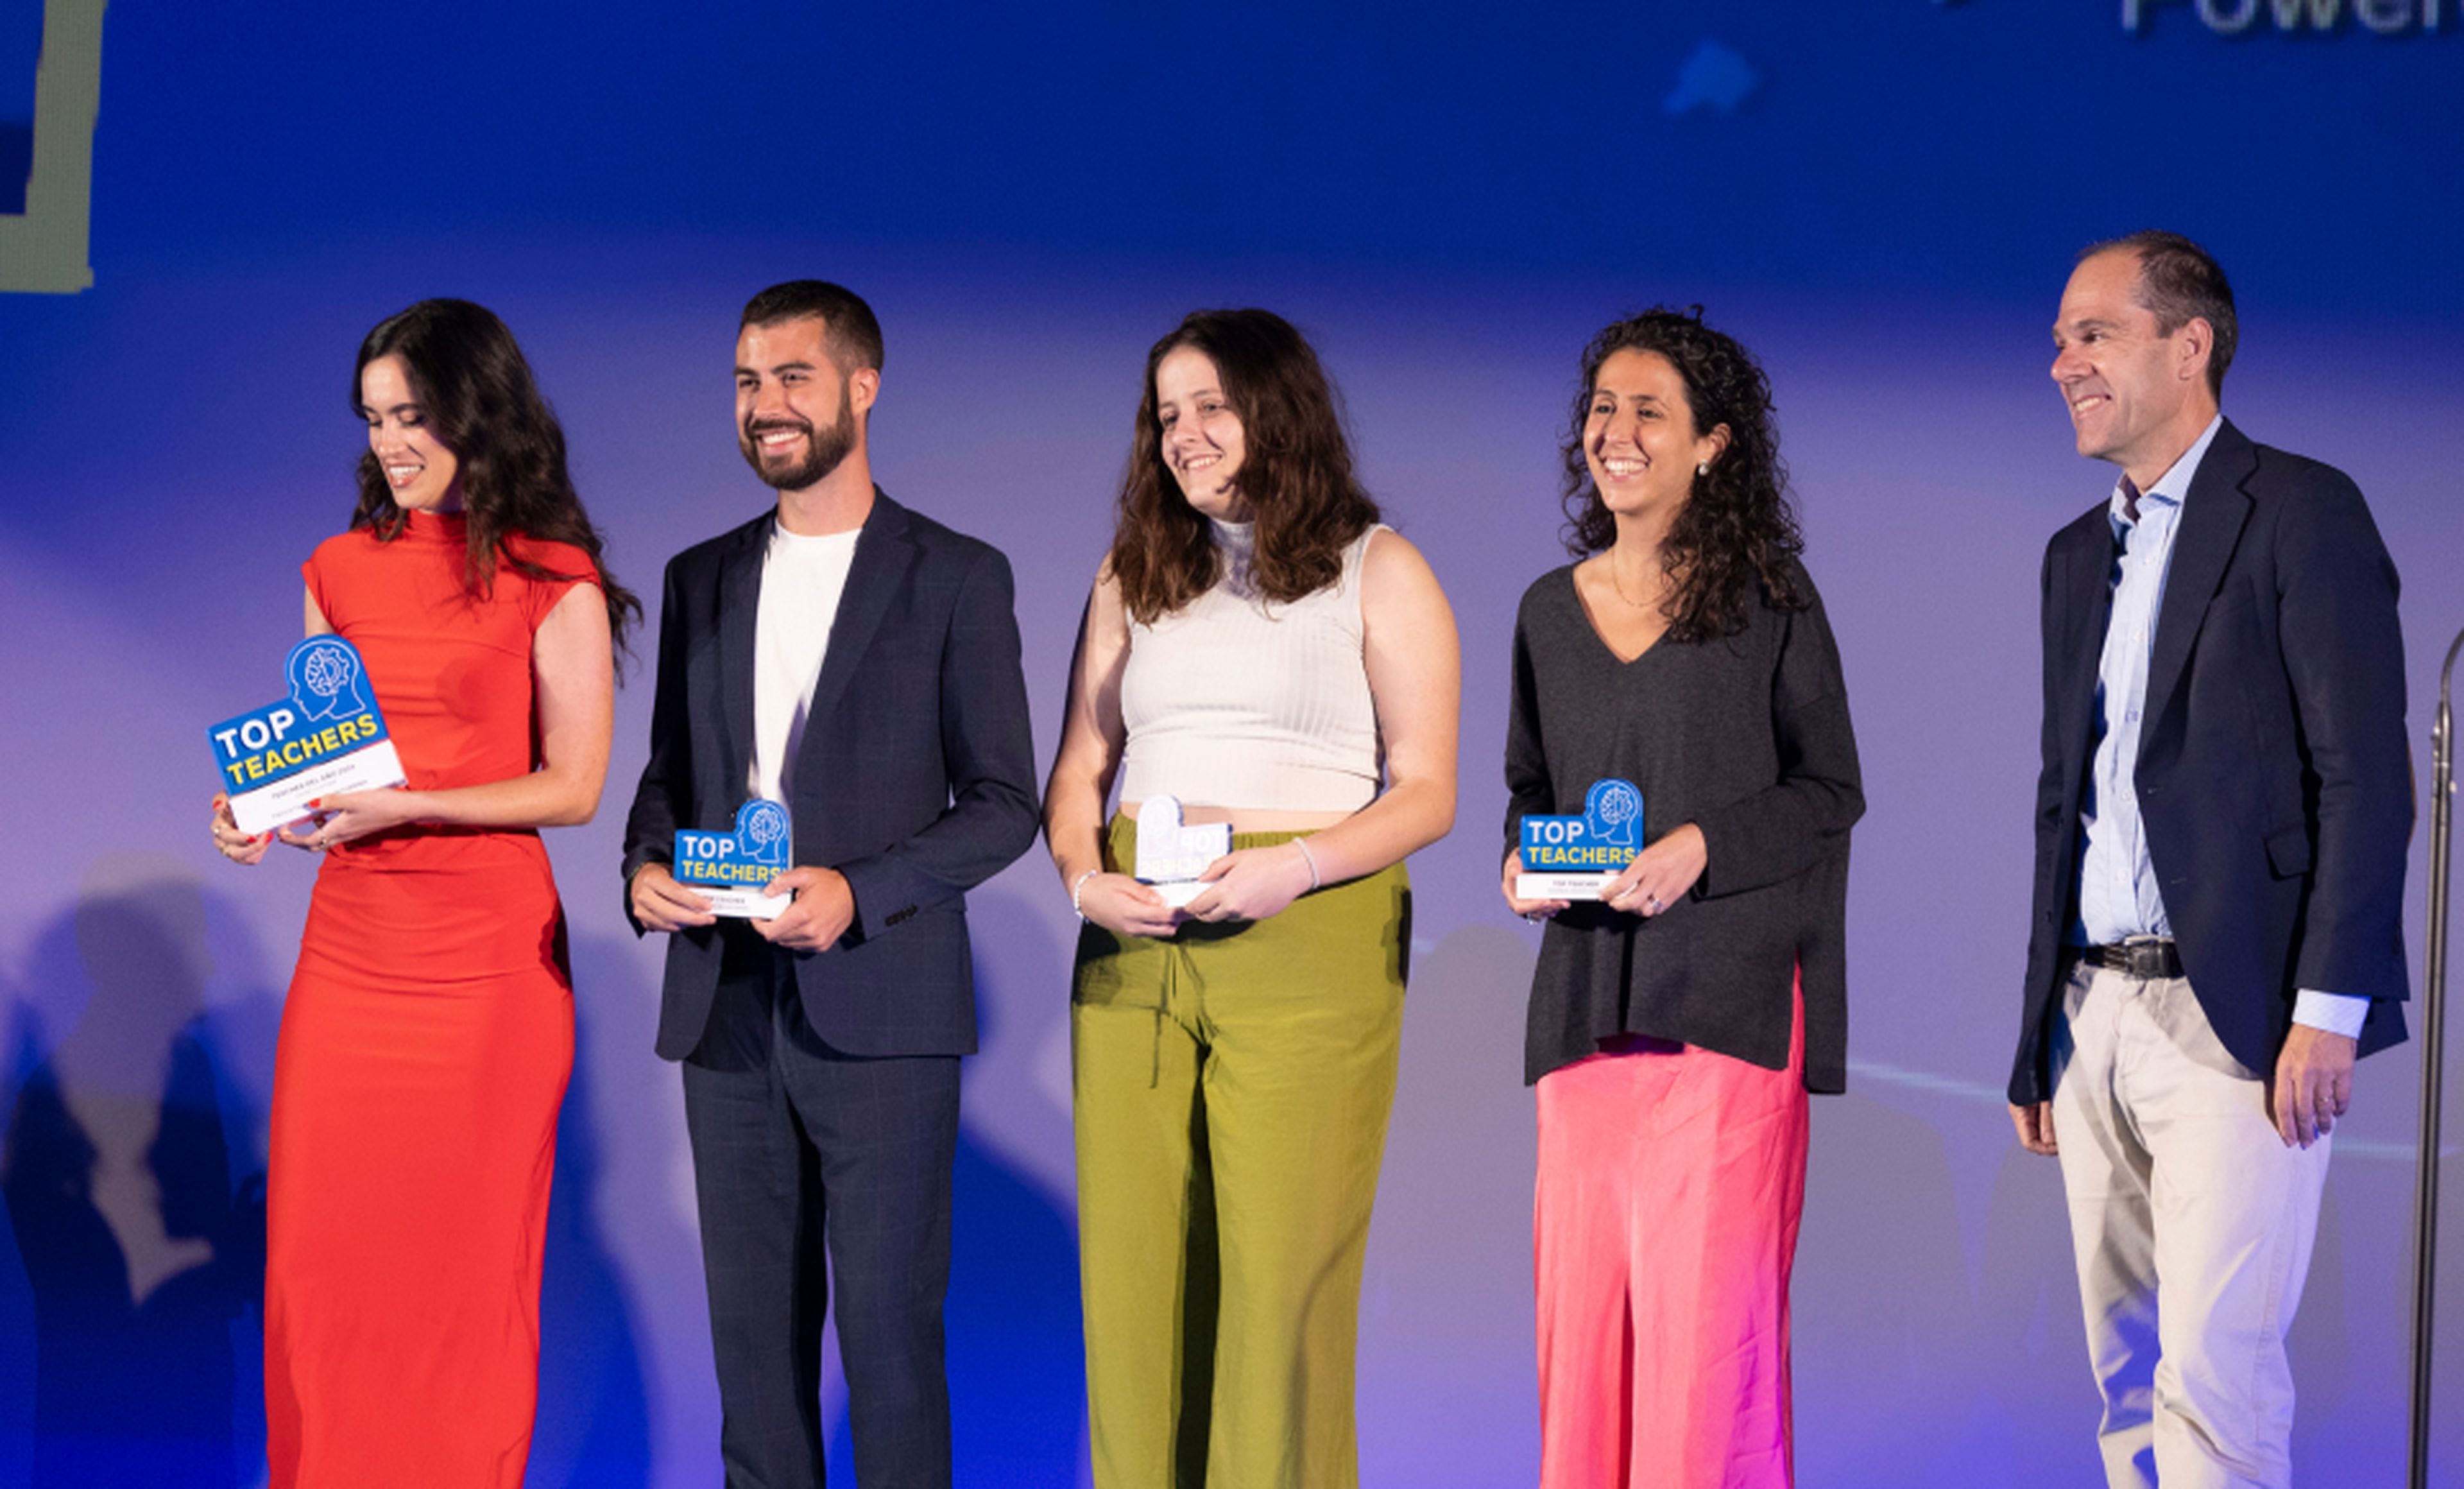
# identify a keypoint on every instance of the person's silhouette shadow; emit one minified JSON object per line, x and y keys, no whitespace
{"x":142,"y":1241}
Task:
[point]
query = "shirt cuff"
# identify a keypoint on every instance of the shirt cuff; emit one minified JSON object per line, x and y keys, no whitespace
{"x":2336,"y":1013}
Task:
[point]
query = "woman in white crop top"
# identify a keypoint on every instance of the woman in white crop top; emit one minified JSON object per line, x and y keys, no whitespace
{"x":1261,"y":649}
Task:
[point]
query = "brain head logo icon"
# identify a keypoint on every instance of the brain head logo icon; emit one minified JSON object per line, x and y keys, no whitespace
{"x":762,"y":828}
{"x":1613,"y":814}
{"x":326,"y":682}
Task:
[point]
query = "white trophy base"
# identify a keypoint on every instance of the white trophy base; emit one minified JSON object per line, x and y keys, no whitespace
{"x":744,"y":905}
{"x":367,"y":768}
{"x":1561,"y":886}
{"x":1179,"y":892}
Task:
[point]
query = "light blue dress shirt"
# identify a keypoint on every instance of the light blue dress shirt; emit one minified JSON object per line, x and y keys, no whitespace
{"x":2118,"y":893}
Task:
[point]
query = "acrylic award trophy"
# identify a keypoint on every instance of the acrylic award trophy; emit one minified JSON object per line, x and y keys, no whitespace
{"x":1170,"y":855}
{"x":1575,"y":857}
{"x":733,"y":870}
{"x":326,"y":738}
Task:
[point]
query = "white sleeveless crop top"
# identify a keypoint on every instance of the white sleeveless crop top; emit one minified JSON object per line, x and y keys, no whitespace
{"x":1237,"y":701}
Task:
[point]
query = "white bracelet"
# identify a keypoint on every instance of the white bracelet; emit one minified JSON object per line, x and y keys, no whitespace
{"x":1078,"y":887}
{"x":1302,"y":843}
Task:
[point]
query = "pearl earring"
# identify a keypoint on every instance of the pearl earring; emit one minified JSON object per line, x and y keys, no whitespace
{"x":1704,"y":469}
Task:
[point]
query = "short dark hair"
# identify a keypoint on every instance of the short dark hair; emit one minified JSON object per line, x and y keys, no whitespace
{"x":849,"y":328}
{"x":2179,"y":280}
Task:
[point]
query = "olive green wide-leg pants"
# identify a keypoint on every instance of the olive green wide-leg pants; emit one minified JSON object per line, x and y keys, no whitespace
{"x":1232,"y":1088}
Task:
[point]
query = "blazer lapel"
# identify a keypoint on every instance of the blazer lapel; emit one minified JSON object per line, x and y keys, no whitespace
{"x":2212,"y":518}
{"x":883,"y":552}
{"x":739,"y":607}
{"x":2085,"y":591}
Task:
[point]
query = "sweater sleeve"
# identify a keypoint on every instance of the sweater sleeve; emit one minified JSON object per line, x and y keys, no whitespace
{"x":1783,"y":829}
{"x":1528,"y":788}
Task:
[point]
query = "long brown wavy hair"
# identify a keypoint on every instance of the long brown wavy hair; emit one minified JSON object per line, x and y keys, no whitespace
{"x":477,"y":395}
{"x":1295,"y":473}
{"x":1737,"y":529}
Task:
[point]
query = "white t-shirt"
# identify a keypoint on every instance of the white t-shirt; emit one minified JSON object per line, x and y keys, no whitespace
{"x":801,"y":580}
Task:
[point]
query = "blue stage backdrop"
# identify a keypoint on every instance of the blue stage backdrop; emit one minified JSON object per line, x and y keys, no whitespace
{"x":1881,"y":199}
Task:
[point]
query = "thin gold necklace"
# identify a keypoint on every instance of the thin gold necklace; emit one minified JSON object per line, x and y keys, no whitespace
{"x":1618,"y":586}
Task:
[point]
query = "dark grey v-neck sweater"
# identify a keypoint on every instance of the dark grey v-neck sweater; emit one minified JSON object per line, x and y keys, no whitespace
{"x":1747,"y":738}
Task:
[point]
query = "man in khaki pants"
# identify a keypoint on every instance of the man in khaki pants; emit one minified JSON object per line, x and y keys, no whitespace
{"x":2221,"y":825}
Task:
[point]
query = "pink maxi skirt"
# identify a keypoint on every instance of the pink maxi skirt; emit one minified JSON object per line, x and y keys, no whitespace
{"x":1671,"y":1181}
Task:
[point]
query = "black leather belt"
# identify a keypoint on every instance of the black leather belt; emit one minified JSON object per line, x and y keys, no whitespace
{"x":2141,"y":956}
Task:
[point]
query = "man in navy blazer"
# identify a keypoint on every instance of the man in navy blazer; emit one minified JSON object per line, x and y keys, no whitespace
{"x":2221,"y":827}
{"x":859,"y":662}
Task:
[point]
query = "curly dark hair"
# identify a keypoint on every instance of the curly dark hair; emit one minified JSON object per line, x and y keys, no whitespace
{"x":1295,"y":472}
{"x":476,"y":393}
{"x":1737,"y":527}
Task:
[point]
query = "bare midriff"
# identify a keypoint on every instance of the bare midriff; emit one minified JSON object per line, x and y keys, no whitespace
{"x":1249,"y":819}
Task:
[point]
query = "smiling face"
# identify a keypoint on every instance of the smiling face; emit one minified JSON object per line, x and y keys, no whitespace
{"x":421,"y":473}
{"x":1199,"y":435}
{"x":796,"y":415}
{"x":2138,"y":395}
{"x":1640,"y":439}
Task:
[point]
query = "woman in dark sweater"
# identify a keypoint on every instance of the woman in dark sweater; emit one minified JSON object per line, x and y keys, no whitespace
{"x":1676,"y":1024}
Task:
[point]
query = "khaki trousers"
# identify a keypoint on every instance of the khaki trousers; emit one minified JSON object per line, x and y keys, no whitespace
{"x":2191,"y":1224}
{"x":1232,"y":1086}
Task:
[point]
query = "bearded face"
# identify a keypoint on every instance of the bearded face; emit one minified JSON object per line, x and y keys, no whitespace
{"x":788,"y":452}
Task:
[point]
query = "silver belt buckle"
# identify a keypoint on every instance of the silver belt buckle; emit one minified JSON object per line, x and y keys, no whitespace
{"x":2146,"y":955}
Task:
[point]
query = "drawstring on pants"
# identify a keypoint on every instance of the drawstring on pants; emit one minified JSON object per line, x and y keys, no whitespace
{"x":1172,"y":957}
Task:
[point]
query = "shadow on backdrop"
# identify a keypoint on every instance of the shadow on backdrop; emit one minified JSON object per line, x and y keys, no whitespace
{"x":1449,"y":1274}
{"x":1017,"y":1387}
{"x":1018,"y":1393}
{"x":136,"y":1193}
{"x":1884,"y":1314}
{"x":2032,"y":1346}
{"x":594,"y":1418}
{"x":1016,"y":1357}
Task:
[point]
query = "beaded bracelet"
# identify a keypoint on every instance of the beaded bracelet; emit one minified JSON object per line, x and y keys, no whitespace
{"x":1302,"y":843}
{"x":1077,"y":888}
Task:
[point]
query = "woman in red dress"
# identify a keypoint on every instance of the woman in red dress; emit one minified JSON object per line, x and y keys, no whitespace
{"x":429,"y":1030}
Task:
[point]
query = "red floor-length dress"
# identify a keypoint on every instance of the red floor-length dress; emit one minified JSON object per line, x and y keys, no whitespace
{"x":424,"y":1048}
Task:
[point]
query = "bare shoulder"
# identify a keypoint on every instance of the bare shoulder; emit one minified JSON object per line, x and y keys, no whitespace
{"x":1105,"y":597}
{"x":1401,"y":599}
{"x":1108,"y":613}
{"x":1393,"y":566}
{"x":582,"y":599}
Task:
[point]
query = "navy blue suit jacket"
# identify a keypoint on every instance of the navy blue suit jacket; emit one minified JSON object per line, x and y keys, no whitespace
{"x":2272,"y":773}
{"x":916,"y":778}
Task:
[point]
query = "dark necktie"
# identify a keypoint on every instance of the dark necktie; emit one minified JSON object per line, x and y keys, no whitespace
{"x":2130,"y":495}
